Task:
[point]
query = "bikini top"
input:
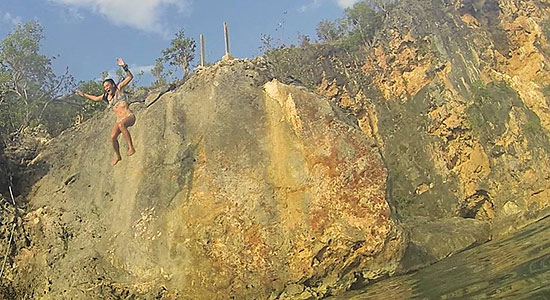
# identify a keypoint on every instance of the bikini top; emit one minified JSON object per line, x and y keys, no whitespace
{"x":121,"y":96}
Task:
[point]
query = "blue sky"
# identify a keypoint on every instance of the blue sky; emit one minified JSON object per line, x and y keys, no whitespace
{"x":88,"y":35}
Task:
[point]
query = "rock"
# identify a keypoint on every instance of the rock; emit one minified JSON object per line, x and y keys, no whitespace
{"x":238,"y":189}
{"x":463,"y":105}
{"x":244,"y":187}
{"x":432,"y":240}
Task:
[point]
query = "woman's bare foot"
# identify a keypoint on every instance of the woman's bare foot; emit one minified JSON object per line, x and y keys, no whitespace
{"x":130,"y":152}
{"x":116,"y":160}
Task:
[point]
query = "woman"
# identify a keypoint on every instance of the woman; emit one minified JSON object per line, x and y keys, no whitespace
{"x":124,"y":117}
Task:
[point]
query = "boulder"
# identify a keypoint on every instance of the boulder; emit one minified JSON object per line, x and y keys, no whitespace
{"x":240,"y":187}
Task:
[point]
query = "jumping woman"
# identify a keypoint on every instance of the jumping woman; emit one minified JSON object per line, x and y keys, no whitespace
{"x":117,"y":100}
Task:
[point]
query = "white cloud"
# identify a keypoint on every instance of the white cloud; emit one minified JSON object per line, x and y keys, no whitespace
{"x":71,"y":15}
{"x":346,"y":3}
{"x":316,"y":3}
{"x":311,"y":5}
{"x":8,"y":18}
{"x":145,"y":15}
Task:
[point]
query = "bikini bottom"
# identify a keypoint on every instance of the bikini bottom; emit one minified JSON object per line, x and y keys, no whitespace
{"x":131,"y":115}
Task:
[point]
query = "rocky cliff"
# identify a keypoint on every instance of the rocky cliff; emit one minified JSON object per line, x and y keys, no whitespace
{"x":463,"y":116}
{"x":241,"y":187}
{"x":433,"y":140}
{"x":456,"y":95}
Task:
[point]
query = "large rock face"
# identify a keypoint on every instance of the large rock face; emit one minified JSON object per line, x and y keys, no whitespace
{"x":241,"y":187}
{"x":472,"y":91}
{"x":459,"y":108}
{"x":248,"y":188}
{"x":455,"y":94}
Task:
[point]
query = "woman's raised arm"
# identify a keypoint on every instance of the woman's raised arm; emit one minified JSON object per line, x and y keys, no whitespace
{"x":129,"y":75}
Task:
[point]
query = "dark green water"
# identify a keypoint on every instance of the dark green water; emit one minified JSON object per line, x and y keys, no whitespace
{"x":517,"y":267}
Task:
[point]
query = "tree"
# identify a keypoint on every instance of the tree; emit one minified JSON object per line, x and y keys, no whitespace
{"x":28,"y":83}
{"x":158,"y":72}
{"x":362,"y":21}
{"x":304,"y":40}
{"x":329,"y":31}
{"x":267,"y":43}
{"x":181,"y":52}
{"x":382,"y":6}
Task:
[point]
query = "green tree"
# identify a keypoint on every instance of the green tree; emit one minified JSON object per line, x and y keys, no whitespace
{"x":329,"y":31}
{"x":159,"y":73}
{"x":28,"y":83}
{"x":267,"y":43}
{"x":304,"y":40}
{"x":181,"y":52}
{"x":361,"y":21}
{"x":383,"y":6}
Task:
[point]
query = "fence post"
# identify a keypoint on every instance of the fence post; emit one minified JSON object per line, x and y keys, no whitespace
{"x":226,"y":35}
{"x":202,"y":50}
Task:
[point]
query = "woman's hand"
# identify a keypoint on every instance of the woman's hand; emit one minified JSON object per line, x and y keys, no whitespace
{"x":80,"y":93}
{"x":120,"y":62}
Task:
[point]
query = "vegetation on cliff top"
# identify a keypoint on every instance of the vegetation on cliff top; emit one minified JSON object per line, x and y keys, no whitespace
{"x":32,"y":94}
{"x":338,"y":51}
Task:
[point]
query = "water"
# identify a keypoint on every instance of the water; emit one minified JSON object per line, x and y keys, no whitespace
{"x":517,"y":267}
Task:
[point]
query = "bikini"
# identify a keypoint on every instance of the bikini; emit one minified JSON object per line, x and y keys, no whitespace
{"x":121,"y":97}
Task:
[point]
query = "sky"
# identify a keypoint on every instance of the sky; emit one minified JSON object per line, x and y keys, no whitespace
{"x":88,"y":35}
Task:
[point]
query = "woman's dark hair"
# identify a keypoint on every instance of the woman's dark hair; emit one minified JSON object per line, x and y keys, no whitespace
{"x":113,"y":83}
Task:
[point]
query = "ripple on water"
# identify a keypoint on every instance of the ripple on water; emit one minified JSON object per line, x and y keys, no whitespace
{"x":517,"y":267}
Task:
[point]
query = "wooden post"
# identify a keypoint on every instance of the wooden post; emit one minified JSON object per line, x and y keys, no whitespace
{"x":227,"y":55}
{"x":202,"y":50}
{"x":226,"y":35}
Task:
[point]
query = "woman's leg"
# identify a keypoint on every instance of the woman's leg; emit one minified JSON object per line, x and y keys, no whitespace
{"x":114,"y":138}
{"x":123,"y":127}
